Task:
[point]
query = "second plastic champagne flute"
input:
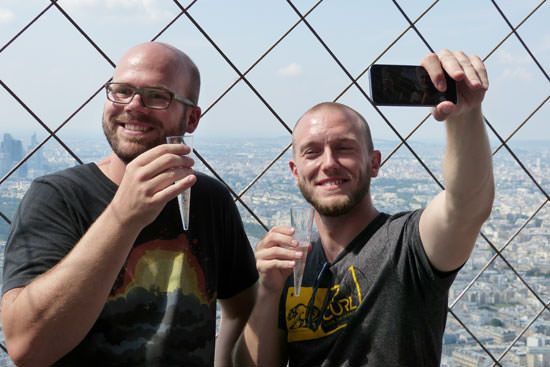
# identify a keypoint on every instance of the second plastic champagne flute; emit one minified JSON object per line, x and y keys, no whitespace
{"x":301,"y":219}
{"x":184,"y":199}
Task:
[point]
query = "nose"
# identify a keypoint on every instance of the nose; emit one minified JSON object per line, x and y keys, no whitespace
{"x":329,"y":160}
{"x":136,"y":101}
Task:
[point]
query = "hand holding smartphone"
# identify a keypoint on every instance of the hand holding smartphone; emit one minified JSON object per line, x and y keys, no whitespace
{"x":407,"y":85}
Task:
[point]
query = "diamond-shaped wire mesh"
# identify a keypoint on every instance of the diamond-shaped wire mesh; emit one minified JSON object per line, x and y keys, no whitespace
{"x":498,"y":310}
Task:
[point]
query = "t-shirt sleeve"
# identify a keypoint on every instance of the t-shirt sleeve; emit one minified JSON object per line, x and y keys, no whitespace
{"x":237,"y":263}
{"x":41,"y":235}
{"x":414,"y":262}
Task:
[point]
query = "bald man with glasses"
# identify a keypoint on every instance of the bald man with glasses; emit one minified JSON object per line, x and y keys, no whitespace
{"x":98,"y":268}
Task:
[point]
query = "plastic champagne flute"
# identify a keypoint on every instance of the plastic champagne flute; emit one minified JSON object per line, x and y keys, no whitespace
{"x":184,"y":199}
{"x":301,"y":219}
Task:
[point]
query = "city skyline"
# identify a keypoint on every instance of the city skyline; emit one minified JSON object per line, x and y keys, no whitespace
{"x":496,"y":308}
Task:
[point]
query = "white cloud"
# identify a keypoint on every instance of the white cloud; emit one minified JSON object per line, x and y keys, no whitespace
{"x":6,"y":16}
{"x":516,"y":66}
{"x":505,"y":57}
{"x":121,"y":9}
{"x":80,"y":5}
{"x":125,"y":4}
{"x":517,"y":73}
{"x":290,"y":70}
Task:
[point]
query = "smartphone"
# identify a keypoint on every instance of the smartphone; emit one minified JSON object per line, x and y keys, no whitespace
{"x":407,"y":85}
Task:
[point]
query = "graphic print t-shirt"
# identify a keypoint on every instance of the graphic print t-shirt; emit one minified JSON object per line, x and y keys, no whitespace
{"x":380,"y":303}
{"x":162,"y":307}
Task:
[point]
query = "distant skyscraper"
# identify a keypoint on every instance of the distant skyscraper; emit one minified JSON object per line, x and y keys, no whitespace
{"x":37,"y":162}
{"x":11,"y":152}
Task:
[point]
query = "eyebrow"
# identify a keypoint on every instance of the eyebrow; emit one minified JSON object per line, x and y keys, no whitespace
{"x":339,"y":140}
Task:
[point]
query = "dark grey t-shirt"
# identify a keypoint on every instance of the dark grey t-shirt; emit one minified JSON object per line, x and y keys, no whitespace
{"x":380,"y":303}
{"x":162,"y":308}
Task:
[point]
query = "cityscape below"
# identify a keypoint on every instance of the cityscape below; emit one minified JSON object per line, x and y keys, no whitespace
{"x":499,"y":297}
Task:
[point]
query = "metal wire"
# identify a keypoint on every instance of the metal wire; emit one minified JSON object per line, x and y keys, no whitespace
{"x":241,"y":76}
{"x":521,"y":40}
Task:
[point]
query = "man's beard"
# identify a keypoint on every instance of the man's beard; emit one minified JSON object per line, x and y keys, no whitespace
{"x":342,"y":206}
{"x":134,"y":146}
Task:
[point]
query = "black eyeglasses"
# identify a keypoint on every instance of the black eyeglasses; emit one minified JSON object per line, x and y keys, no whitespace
{"x":314,"y":315}
{"x":156,"y":98}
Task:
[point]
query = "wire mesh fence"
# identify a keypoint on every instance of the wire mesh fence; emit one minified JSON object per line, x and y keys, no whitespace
{"x":263,"y":65}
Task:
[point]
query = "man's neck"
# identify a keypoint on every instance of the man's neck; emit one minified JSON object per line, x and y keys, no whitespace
{"x":337,"y":232}
{"x":112,"y":167}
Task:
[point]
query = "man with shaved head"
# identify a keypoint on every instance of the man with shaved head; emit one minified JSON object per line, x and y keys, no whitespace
{"x":375,"y":286}
{"x":98,"y":269}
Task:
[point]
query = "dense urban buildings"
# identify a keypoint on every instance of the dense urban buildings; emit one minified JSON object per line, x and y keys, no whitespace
{"x":498,"y":298}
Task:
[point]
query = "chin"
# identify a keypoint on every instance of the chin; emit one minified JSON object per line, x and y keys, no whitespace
{"x":129,"y":150}
{"x":334,"y":207}
{"x":334,"y":204}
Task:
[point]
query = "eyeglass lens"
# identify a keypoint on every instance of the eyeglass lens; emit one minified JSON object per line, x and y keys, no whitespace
{"x":151,"y":97}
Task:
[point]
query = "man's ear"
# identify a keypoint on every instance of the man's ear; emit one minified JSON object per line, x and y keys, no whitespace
{"x":193,"y":120}
{"x":375,"y":161}
{"x":293,"y":169}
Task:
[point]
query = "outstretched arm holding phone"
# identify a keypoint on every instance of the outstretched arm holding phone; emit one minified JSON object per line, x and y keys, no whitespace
{"x":451,"y":222}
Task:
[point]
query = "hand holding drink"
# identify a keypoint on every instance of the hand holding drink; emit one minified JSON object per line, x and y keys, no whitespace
{"x":301,"y":219}
{"x":184,"y":199}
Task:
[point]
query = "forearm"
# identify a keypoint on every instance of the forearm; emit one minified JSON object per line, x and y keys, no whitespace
{"x":51,"y":315}
{"x":235,"y":313}
{"x":261,"y":344}
{"x":230,"y":330}
{"x":467,"y":167}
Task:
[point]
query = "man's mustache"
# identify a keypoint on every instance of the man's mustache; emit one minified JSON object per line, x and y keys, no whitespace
{"x":126,"y":118}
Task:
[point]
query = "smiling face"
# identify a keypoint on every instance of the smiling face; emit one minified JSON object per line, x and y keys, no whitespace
{"x":333,"y":159}
{"x":132,"y":129}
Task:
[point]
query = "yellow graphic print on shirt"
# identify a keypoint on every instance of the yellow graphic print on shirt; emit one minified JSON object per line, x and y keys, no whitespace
{"x":338,"y":309}
{"x":166,"y":266}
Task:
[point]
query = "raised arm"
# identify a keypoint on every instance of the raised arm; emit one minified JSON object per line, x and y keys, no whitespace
{"x":47,"y":318}
{"x":262,"y":343}
{"x":451,"y":222}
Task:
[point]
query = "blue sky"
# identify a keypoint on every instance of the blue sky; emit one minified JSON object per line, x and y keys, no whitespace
{"x":54,"y":69}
